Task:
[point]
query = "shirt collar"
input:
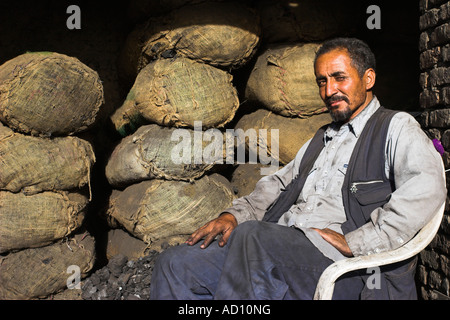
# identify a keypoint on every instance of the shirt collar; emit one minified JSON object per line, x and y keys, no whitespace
{"x":357,"y":124}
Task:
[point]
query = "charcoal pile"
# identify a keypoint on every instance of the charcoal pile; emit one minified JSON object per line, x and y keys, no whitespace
{"x":121,"y":279}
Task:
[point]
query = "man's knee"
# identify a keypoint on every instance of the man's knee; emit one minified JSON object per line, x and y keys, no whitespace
{"x":185,"y":257}
{"x":173,"y":257}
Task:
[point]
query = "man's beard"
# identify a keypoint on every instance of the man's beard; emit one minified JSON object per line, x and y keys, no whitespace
{"x":340,"y":116}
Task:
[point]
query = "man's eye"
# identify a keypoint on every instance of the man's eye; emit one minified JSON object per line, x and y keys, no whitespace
{"x":321,"y":83}
{"x":340,"y":78}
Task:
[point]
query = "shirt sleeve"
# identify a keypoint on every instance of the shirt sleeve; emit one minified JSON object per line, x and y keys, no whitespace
{"x":267,"y":190}
{"x":420,"y":190}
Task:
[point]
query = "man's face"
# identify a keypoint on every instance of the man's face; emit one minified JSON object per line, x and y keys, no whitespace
{"x":344,"y":92}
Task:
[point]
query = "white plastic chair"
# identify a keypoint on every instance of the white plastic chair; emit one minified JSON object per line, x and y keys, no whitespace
{"x":325,"y":286}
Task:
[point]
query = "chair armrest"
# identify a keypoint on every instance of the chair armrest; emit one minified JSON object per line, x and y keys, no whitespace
{"x":325,"y":286}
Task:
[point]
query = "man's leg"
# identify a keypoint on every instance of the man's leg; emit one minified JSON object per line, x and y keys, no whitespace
{"x":269,"y":261}
{"x":187,"y":272}
{"x":261,"y":261}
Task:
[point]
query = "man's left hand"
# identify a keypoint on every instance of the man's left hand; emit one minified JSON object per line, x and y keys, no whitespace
{"x":337,"y":240}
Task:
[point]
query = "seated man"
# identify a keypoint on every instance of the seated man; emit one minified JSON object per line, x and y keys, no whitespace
{"x":366,"y":183}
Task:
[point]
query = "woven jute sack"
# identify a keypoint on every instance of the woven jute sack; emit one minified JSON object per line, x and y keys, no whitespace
{"x":47,"y":93}
{"x":33,"y":164}
{"x":283,"y":81}
{"x":244,"y":178}
{"x":278,"y":23}
{"x":29,"y":221}
{"x":308,"y":20}
{"x":292,"y":132}
{"x":162,"y":244}
{"x":154,"y":151}
{"x":39,"y":272}
{"x":157,"y":209}
{"x":224,"y":34}
{"x":178,"y":92}
{"x":122,"y":242}
{"x":141,"y":10}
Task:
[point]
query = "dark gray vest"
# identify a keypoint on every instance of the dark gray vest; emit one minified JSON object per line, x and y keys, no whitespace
{"x":365,"y":188}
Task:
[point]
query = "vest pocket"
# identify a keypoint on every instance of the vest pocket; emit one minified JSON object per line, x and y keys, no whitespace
{"x":371,"y":192}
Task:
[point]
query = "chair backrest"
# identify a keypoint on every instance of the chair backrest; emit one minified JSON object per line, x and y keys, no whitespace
{"x":325,"y":286}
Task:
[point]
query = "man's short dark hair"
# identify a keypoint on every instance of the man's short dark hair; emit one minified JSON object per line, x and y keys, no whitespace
{"x":361,"y":55}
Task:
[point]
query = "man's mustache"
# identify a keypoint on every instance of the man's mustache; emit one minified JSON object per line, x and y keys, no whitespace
{"x":330,"y":100}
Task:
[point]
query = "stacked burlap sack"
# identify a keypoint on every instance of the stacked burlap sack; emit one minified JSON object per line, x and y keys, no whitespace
{"x":281,"y":86}
{"x":46,"y":98}
{"x":179,"y":64}
{"x":283,"y":91}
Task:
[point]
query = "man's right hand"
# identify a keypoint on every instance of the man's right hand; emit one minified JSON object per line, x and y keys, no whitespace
{"x":222,"y":225}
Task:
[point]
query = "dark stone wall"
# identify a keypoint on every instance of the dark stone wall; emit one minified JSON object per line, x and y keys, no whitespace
{"x":434,"y":45}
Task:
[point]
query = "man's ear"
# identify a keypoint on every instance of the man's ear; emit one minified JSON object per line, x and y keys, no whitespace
{"x":369,"y":78}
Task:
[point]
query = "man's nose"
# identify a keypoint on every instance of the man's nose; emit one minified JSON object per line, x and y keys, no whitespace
{"x":330,"y":88}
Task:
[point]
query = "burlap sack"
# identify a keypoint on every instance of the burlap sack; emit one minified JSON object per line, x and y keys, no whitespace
{"x":308,"y":20}
{"x":153,"y":152}
{"x":40,"y":272}
{"x":177,"y":93}
{"x":278,"y":23}
{"x":33,"y":164}
{"x":292,"y":132}
{"x":245,"y":177}
{"x":140,"y":10}
{"x":283,"y":81}
{"x":222,"y":34}
{"x":46,"y":93}
{"x":325,"y":19}
{"x":37,"y":220}
{"x":164,"y":243}
{"x":157,"y":209}
{"x":122,"y":242}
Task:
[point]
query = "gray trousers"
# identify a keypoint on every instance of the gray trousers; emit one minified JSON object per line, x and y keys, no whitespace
{"x":261,"y":261}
